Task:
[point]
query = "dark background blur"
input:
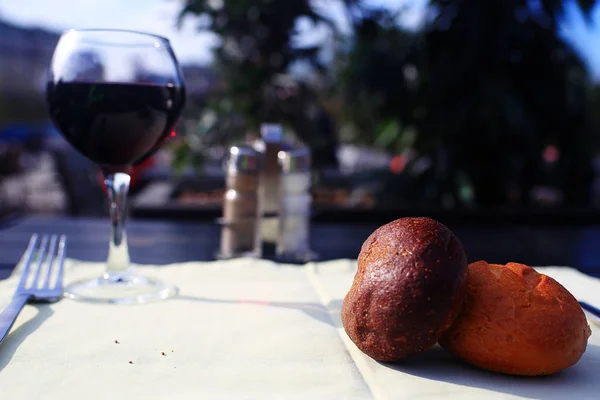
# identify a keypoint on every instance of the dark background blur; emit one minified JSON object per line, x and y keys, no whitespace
{"x":478,"y":109}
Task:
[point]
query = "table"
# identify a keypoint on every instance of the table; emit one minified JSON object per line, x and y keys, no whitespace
{"x":247,"y":329}
{"x":222,"y":302}
{"x":165,"y":242}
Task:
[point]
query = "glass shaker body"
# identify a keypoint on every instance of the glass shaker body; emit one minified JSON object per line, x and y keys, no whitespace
{"x":269,"y":182}
{"x":240,"y":222}
{"x":293,"y":243}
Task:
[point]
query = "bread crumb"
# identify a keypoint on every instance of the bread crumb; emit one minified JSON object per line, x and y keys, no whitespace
{"x":117,"y":342}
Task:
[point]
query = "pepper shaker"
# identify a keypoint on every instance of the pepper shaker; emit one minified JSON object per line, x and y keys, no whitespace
{"x":295,"y":206}
{"x":240,"y":222}
{"x":269,"y":182}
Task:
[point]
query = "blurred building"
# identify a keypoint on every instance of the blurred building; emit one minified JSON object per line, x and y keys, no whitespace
{"x":25,"y":55}
{"x":200,"y":81}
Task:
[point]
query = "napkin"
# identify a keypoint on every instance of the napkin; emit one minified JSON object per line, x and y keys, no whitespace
{"x":240,"y":329}
{"x":437,"y":375}
{"x":245,"y":329}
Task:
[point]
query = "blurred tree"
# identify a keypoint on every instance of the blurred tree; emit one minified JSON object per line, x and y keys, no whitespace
{"x":498,"y":84}
{"x":377,"y":78}
{"x":25,"y":106}
{"x":478,"y":93}
{"x":256,"y":50}
{"x":594,"y":93}
{"x":485,"y":86}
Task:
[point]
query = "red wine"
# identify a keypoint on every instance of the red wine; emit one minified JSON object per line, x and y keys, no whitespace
{"x":113,"y":124}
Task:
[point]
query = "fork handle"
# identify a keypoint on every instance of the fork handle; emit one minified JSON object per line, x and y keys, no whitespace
{"x":10,"y":313}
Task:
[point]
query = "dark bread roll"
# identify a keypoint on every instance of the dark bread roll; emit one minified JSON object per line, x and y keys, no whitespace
{"x":517,"y":321}
{"x":408,"y":289}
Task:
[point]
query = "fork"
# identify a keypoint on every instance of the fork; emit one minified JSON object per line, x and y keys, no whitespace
{"x":38,"y":287}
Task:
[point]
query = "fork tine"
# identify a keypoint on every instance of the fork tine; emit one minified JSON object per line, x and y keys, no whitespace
{"x":27,"y":261}
{"x":40,"y":261}
{"x":49,"y":261}
{"x":62,"y":248}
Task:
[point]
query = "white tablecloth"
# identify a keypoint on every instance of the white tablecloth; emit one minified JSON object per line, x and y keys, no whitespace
{"x":246,"y":329}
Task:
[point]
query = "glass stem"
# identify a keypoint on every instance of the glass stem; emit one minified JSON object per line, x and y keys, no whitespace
{"x":117,"y":265}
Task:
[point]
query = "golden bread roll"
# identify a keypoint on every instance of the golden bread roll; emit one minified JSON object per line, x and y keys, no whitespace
{"x":517,"y":321}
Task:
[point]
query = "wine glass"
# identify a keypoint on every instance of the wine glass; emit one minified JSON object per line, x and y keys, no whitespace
{"x":116,"y":96}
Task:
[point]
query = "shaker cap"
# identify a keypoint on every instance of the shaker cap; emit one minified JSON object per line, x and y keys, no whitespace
{"x":271,"y":133}
{"x":295,"y":160}
{"x":242,"y":159}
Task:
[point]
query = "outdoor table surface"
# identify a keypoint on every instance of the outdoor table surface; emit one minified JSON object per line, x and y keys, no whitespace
{"x":166,"y":242}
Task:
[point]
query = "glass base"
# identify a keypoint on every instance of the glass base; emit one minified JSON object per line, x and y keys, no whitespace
{"x":122,"y":289}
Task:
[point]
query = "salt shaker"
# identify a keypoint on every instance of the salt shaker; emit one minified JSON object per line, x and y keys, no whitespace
{"x":240,"y":222}
{"x":295,"y":206}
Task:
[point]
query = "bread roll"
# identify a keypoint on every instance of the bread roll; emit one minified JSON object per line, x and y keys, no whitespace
{"x":408,"y":288}
{"x":517,"y":321}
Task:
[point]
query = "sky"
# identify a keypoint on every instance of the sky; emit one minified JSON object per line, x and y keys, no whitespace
{"x":157,"y":16}
{"x":584,"y":35}
{"x":190,"y":46}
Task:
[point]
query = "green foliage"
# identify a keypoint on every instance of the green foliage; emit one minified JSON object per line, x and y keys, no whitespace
{"x":24,"y":106}
{"x":257,"y":48}
{"x":377,"y":79}
{"x":477,"y":93}
{"x":499,"y":85}
{"x":486,"y":85}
